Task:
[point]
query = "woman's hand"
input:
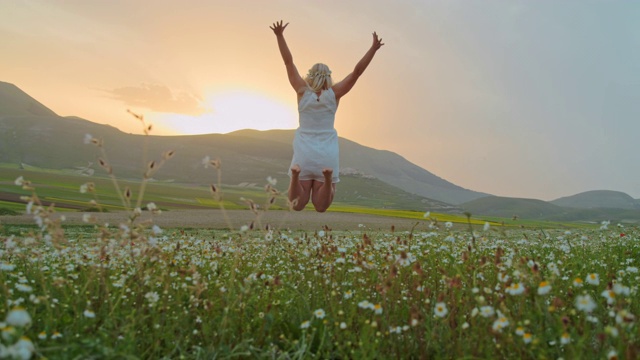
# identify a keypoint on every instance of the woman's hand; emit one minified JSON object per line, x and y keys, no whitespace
{"x":278,"y":28}
{"x":377,"y":42}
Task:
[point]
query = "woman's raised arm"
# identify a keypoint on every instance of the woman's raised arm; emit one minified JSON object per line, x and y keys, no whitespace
{"x":344,"y":86}
{"x":296,"y":81}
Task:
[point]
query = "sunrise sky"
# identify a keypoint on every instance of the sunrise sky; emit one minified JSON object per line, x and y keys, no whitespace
{"x":535,"y":99}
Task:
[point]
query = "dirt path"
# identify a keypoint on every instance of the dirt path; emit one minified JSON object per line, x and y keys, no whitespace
{"x":215,"y":219}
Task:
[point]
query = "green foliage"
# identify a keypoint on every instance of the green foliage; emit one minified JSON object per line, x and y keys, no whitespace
{"x":7,"y":211}
{"x":194,"y":294}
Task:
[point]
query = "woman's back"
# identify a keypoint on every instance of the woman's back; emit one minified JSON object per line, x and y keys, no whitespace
{"x":317,"y":112}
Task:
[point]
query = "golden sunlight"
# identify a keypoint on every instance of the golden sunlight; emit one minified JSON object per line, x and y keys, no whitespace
{"x":230,"y":111}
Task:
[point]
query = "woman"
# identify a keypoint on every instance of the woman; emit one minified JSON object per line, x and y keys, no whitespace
{"x":314,"y":167}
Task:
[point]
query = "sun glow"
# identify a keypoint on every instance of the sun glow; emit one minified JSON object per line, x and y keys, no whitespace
{"x":230,"y":111}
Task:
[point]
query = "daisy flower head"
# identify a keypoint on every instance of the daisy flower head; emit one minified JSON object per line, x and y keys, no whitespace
{"x":24,"y":348}
{"x":610,"y":296}
{"x":620,"y":289}
{"x":612,"y":331}
{"x":487,"y":311}
{"x":18,"y":317}
{"x":377,"y":308}
{"x":365,"y":304}
{"x":612,"y":355}
{"x":515,"y":289}
{"x":501,"y":323}
{"x":305,"y":324}
{"x":527,"y":337}
{"x":89,"y":314}
{"x":440,"y":310}
{"x":593,"y":279}
{"x":320,"y":314}
{"x":585,"y":303}
{"x":577,"y":282}
{"x":565,"y":338}
{"x":544,"y":288}
{"x":624,"y":317}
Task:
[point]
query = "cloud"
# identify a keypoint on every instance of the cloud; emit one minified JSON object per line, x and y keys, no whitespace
{"x":159,"y":98}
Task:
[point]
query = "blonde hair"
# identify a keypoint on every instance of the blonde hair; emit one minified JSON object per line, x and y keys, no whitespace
{"x":319,"y":77}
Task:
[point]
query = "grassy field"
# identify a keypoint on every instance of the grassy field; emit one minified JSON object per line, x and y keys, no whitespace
{"x":63,"y":189}
{"x":138,"y":291}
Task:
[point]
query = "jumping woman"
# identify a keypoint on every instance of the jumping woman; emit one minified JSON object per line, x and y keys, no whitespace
{"x":315,"y":165}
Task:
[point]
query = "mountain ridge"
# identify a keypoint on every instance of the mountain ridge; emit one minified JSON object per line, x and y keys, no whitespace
{"x":248,"y":154}
{"x":599,"y":199}
{"x":15,"y":102}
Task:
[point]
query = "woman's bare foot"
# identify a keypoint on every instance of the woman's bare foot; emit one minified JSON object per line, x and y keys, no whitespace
{"x":322,"y":196}
{"x":299,"y":193}
{"x":328,"y":175}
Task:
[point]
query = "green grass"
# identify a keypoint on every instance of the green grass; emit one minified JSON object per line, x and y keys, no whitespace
{"x":200,"y":294}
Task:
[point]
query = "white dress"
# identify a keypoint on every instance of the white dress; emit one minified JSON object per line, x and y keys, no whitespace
{"x":315,"y":144}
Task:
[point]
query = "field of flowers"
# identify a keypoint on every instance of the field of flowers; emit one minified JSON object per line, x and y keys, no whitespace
{"x":138,"y":291}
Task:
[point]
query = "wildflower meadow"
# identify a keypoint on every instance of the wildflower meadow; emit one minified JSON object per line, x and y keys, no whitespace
{"x":133,"y":290}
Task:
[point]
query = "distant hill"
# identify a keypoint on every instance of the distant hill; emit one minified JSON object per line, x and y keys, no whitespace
{"x":15,"y":102}
{"x":599,"y":199}
{"x":542,"y":210}
{"x":508,"y":207}
{"x":33,"y":135}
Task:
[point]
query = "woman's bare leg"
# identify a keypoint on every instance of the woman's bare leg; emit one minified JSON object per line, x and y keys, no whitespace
{"x":299,"y":190}
{"x":323,"y":192}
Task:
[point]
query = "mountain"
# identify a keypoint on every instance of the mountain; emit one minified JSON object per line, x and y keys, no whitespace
{"x":542,"y":210}
{"x":15,"y":102}
{"x":33,"y":135}
{"x":508,"y":207}
{"x":599,"y":199}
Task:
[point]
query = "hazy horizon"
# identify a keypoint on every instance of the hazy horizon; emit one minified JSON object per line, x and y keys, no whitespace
{"x":528,"y":99}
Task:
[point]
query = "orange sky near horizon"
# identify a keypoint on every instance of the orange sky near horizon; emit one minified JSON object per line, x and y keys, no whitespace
{"x":485,"y":96}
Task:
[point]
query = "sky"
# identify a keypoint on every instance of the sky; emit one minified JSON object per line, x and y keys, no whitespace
{"x":531,"y":99}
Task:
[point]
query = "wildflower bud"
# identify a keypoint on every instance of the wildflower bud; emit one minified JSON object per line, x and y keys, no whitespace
{"x":127,"y":193}
{"x":19,"y":181}
{"x":214,"y":190}
{"x":272,"y":200}
{"x":216,"y":163}
{"x":139,"y":117}
{"x":105,"y":165}
{"x":168,"y":154}
{"x":149,"y":127}
{"x":152,"y":165}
